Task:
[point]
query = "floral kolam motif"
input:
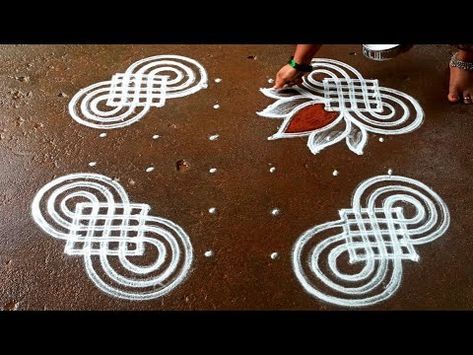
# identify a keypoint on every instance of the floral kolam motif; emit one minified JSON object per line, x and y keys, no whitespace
{"x":336,"y":103}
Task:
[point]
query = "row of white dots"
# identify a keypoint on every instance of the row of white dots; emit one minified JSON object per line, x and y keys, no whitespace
{"x":213,"y":137}
{"x":213,"y":210}
{"x":210,"y":253}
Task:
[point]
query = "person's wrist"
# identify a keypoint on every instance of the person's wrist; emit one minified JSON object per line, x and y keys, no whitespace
{"x":302,"y":59}
{"x":300,"y":66}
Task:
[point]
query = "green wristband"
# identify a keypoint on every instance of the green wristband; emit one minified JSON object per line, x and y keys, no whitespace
{"x":300,"y":67}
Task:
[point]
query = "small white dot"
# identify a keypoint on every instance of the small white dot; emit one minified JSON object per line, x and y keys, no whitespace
{"x":209,"y":253}
{"x":156,"y":136}
{"x":335,"y":173}
{"x":214,"y":137}
{"x":216,"y":106}
{"x":218,"y":80}
{"x":93,"y":163}
{"x":275,"y":211}
{"x":270,"y":81}
{"x":212,"y":170}
{"x":274,"y":256}
{"x":381,"y":139}
{"x":390,"y":171}
{"x":102,"y":135}
{"x":149,"y":169}
{"x":272,"y":169}
{"x":212,"y":210}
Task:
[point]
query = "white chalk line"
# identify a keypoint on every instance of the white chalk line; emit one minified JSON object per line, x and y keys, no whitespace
{"x":363,"y":107}
{"x":374,"y":234}
{"x":128,"y":97}
{"x":107,"y":230}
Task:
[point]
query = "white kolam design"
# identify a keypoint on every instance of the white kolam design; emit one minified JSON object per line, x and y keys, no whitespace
{"x":358,"y":260}
{"x":127,"y":253}
{"x":362,"y":106}
{"x":128,"y":96}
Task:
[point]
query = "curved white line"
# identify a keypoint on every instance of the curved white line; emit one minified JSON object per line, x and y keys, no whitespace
{"x":392,"y":116}
{"x":188,"y":77}
{"x":113,"y":272}
{"x":375,"y":199}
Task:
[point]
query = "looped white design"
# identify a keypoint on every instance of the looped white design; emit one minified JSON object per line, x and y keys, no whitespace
{"x":128,"y":96}
{"x":362,"y":106}
{"x":127,"y":253}
{"x":359,"y":263}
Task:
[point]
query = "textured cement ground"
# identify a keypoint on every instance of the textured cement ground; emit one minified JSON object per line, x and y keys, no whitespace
{"x":40,"y":141}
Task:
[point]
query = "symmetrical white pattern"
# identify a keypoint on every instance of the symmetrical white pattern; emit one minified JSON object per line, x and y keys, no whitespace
{"x":127,"y":253}
{"x":390,"y":216}
{"x":361,"y":104}
{"x":352,"y":95}
{"x":126,"y":98}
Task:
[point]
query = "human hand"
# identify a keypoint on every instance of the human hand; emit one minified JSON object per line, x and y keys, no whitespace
{"x":287,"y":76}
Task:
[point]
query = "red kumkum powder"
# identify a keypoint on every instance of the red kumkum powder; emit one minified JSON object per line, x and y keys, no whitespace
{"x":311,"y":118}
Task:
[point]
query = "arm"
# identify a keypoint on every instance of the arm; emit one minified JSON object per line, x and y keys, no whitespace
{"x":287,"y":75}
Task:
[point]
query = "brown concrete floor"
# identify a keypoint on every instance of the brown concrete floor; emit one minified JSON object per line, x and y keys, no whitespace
{"x":39,"y":141}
